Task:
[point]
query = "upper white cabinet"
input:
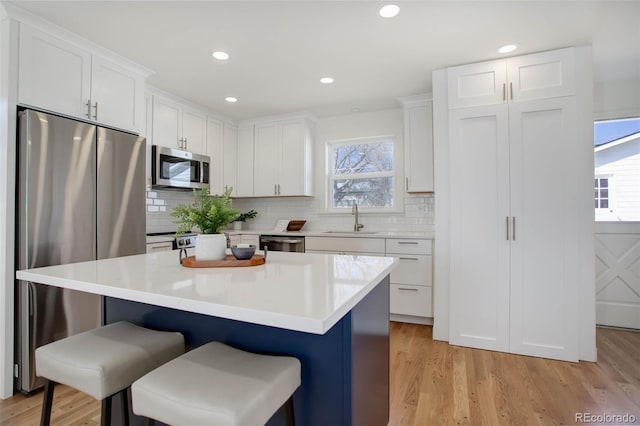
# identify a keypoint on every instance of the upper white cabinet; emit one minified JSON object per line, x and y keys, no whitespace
{"x":283,"y":158}
{"x":517,"y":197}
{"x":62,"y":77}
{"x":418,"y":144}
{"x":538,"y":76}
{"x":179,"y":126}
{"x":245,"y":162}
{"x":215,"y":150}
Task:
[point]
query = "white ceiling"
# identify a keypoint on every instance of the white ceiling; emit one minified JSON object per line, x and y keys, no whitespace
{"x":280,"y":49}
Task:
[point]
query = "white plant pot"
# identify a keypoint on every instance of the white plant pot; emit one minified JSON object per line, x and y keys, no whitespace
{"x":211,"y":246}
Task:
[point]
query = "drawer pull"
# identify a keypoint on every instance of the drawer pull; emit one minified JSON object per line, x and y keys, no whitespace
{"x":407,"y":242}
{"x":407,"y":289}
{"x":409,"y":258}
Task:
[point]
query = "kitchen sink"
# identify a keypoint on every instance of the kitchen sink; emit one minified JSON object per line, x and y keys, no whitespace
{"x":350,"y":232}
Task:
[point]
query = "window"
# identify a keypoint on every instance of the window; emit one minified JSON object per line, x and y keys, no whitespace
{"x":362,"y":171}
{"x":602,"y":193}
{"x":617,"y":170}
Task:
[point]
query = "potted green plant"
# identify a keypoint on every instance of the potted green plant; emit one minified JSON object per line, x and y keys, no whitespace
{"x":237,"y":222}
{"x":211,"y":214}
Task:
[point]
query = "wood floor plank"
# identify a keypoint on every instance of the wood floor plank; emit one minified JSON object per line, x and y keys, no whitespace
{"x":434,"y":383}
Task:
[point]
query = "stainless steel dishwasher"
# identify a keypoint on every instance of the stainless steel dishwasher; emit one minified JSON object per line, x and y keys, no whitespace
{"x":283,"y":243}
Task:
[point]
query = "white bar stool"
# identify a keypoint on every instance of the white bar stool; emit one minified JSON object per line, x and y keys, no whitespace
{"x":103,"y":362}
{"x":216,"y":384}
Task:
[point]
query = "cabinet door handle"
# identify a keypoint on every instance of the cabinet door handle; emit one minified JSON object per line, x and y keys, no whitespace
{"x":88,"y":104}
{"x":185,"y":144}
{"x":409,"y":258}
{"x":275,"y":189}
{"x":278,"y":189}
{"x":513,"y":232}
{"x":407,"y":242}
{"x":504,"y":91}
{"x":407,"y":289}
{"x":507,"y":227}
{"x":407,"y":184}
{"x":511,"y":90}
{"x":95,"y":117}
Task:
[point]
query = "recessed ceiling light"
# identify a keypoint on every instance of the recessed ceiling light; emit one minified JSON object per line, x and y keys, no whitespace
{"x":326,"y":80}
{"x":220,"y":55}
{"x":389,"y":10}
{"x":231,"y":99}
{"x":507,"y":48}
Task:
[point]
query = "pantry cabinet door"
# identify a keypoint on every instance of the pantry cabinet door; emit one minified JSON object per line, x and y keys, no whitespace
{"x":542,"y":75}
{"x":54,"y":75}
{"x":479,"y":270}
{"x":546,"y":235}
{"x":477,"y":84}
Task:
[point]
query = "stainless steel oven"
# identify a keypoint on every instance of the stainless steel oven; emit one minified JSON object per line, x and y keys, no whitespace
{"x":282,"y":243}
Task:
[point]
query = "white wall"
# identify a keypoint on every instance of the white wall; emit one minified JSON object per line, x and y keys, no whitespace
{"x":617,"y":98}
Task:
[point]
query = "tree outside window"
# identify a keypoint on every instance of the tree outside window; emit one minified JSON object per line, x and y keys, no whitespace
{"x":362,"y":171}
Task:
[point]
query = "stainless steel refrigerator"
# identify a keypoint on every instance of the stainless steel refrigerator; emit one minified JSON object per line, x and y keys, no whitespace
{"x":80,"y":196}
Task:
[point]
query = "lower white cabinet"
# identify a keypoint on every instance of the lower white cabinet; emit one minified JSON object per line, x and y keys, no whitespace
{"x":411,"y":300}
{"x":162,"y":246}
{"x":411,"y":282}
{"x":411,"y":291}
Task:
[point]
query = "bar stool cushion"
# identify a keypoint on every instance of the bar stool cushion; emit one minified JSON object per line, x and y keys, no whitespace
{"x":105,"y":360}
{"x":216,"y":384}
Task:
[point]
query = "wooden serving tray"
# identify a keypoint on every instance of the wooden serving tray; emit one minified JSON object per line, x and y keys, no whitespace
{"x":227,"y":262}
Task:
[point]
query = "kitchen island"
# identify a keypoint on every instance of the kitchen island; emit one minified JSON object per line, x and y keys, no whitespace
{"x":329,"y":311}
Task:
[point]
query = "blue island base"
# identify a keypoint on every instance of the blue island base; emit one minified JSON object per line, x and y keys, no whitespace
{"x":345,"y":372}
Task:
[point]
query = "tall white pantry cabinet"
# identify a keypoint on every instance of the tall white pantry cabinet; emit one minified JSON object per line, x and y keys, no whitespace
{"x":518,"y":199}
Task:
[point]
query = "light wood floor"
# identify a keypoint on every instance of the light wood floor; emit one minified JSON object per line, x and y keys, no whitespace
{"x":434,"y":383}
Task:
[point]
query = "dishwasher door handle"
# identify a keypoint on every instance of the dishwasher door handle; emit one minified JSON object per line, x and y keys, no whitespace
{"x":280,"y":241}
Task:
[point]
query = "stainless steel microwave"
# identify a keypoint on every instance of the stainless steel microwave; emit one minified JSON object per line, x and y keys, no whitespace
{"x":174,"y":168}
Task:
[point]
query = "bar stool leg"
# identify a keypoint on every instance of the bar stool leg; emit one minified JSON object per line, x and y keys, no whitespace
{"x":288,"y":410}
{"x":105,"y":416}
{"x":124,"y":395}
{"x":47,"y":403}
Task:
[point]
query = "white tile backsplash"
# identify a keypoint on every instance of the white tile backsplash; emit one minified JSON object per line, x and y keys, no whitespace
{"x":418,"y":215}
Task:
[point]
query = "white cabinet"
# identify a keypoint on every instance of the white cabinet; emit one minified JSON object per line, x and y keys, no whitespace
{"x":538,"y":76}
{"x":283,"y":157}
{"x":161,"y":246}
{"x":411,"y":282}
{"x":411,"y":291}
{"x":245,"y":162}
{"x":230,"y":157}
{"x":515,"y":196}
{"x":252,"y":239}
{"x":345,"y":245}
{"x":215,"y":151}
{"x":418,"y":144}
{"x":178,"y":126}
{"x":62,"y":77}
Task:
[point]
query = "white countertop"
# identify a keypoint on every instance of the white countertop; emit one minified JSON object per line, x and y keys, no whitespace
{"x":296,"y":291}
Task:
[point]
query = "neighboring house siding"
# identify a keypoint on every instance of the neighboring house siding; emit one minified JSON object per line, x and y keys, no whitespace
{"x":621,"y":163}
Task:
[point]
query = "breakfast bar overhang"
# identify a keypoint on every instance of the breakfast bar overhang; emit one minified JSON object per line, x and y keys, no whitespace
{"x":329,"y":311}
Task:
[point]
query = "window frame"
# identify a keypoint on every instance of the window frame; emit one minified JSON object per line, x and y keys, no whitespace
{"x":396,"y":174}
{"x":598,"y":198}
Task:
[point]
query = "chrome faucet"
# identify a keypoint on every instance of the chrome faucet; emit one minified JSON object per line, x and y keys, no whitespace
{"x":354,"y":211}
